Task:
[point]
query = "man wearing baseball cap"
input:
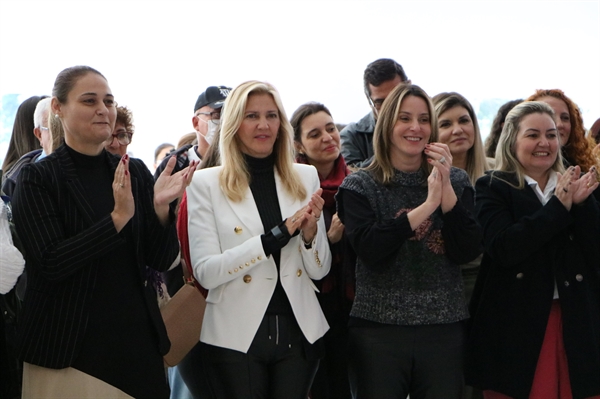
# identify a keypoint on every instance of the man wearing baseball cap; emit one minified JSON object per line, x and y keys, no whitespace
{"x":207,"y":114}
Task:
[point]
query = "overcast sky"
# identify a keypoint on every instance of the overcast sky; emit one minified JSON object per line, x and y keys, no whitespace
{"x":158,"y":56}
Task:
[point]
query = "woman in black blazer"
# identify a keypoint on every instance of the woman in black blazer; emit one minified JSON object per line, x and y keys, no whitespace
{"x":90,"y":223}
{"x":535,"y":309}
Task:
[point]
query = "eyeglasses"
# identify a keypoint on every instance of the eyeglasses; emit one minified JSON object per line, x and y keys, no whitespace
{"x":124,"y":138}
{"x":214,"y":116}
{"x":376,"y":104}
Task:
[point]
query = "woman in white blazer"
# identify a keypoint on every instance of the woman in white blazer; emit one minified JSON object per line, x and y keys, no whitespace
{"x":256,"y":241}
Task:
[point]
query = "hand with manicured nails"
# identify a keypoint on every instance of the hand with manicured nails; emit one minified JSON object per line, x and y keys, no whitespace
{"x":124,"y":203}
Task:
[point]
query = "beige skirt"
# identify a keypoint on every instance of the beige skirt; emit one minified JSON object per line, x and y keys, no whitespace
{"x":69,"y":383}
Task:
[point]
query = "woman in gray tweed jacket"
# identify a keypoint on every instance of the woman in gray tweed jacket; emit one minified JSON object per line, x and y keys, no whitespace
{"x":408,"y":216}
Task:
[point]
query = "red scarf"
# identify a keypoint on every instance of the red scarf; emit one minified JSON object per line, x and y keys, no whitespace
{"x":331,"y":183}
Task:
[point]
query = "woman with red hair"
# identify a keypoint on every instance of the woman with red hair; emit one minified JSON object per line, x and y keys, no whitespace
{"x":575,"y":148}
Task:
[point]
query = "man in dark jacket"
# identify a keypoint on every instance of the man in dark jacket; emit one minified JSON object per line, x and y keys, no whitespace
{"x":380,"y":78}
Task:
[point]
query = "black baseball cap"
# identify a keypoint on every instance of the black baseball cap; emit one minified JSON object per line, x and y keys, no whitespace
{"x":214,"y":96}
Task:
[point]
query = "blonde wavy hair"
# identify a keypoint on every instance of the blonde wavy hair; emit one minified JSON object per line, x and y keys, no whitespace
{"x":506,"y":159}
{"x":235,"y":176}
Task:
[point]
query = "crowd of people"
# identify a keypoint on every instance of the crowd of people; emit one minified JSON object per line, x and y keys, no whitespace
{"x":401,"y":256}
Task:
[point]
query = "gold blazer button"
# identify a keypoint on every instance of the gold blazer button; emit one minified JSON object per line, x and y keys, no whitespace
{"x":247,"y":278}
{"x":238,"y":230}
{"x":299,"y":272}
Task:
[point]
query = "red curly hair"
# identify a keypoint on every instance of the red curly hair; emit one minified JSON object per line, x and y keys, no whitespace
{"x":577,"y":150}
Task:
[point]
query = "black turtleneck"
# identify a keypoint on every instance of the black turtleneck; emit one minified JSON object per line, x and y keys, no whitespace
{"x":264,"y":191}
{"x":118,"y":297}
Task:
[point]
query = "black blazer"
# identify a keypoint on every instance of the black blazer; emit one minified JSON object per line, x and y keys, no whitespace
{"x":529,"y":247}
{"x":63,"y":252}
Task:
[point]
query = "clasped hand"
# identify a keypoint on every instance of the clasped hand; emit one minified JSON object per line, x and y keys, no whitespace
{"x":306,"y":218}
{"x":574,"y":188}
{"x":440,"y":191}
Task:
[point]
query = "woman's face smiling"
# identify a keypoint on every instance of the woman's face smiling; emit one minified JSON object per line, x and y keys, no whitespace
{"x":320,"y":139}
{"x":562,"y":117}
{"x":410,"y":134}
{"x":456,"y":129}
{"x":537,"y":144}
{"x":260,"y":126}
{"x":89,"y":115}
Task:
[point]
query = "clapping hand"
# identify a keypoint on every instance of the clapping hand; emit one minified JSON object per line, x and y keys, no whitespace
{"x":572,"y":188}
{"x":169,"y":187}
{"x":124,"y":204}
{"x":306,"y":218}
{"x":584,"y":186}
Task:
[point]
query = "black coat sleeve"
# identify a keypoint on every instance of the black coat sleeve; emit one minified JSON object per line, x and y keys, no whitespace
{"x":461,"y":232}
{"x":376,"y":242}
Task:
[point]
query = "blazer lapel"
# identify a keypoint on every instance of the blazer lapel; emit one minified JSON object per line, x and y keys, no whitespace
{"x":247,"y":212}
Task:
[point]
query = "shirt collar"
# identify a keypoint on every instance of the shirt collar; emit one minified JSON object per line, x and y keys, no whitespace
{"x":548,"y":190}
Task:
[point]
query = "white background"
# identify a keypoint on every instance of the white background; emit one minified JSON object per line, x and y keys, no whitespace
{"x":159,"y":55}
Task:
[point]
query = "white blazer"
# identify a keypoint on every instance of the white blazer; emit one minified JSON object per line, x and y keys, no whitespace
{"x":228,"y":259}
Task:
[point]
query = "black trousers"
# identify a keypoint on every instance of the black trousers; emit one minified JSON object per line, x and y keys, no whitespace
{"x":194,"y":375}
{"x":395,"y":361}
{"x":331,"y":380}
{"x":279,"y":364}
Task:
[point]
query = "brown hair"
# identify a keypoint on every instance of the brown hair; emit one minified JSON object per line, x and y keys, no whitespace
{"x":22,"y":139}
{"x":304,"y":111}
{"x":125,"y":118}
{"x":476,"y":161}
{"x":492,"y":139}
{"x":66,"y":80}
{"x":381,"y":167}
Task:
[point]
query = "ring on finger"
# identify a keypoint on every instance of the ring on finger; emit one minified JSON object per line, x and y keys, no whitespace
{"x":442,"y":160}
{"x":122,"y":185}
{"x":317,"y":217}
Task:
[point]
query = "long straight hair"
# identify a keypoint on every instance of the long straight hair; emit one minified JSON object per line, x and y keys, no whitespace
{"x":22,"y":139}
{"x":235,"y":176}
{"x":381,"y":167}
{"x":476,"y":161}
